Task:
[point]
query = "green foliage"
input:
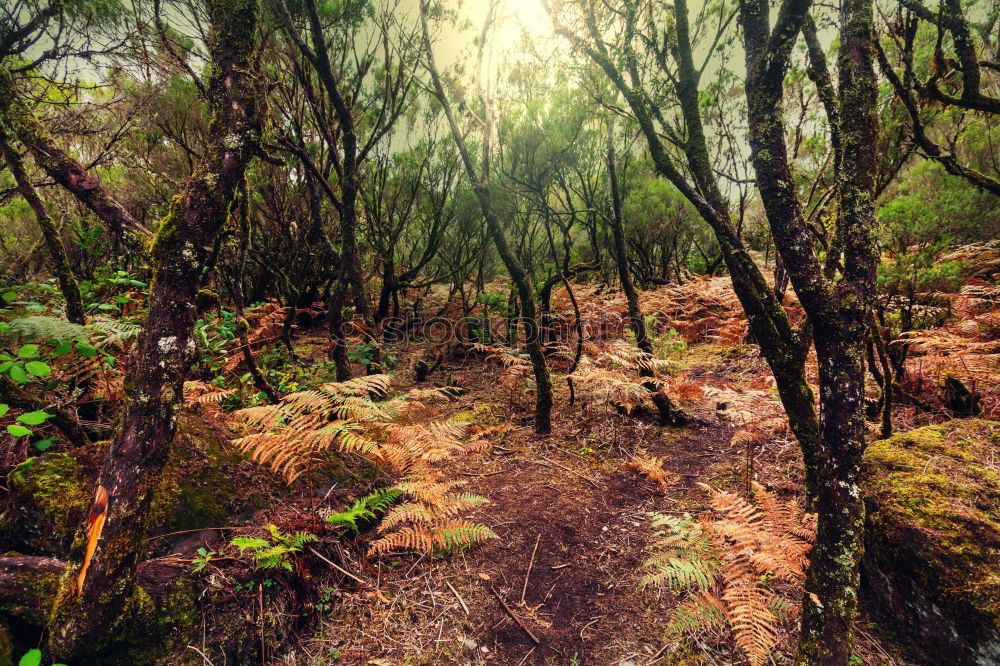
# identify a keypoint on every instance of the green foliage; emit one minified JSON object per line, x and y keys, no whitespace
{"x":365,"y":509}
{"x":202,"y":559}
{"x":276,"y":552}
{"x":691,"y":563}
{"x":33,"y":658}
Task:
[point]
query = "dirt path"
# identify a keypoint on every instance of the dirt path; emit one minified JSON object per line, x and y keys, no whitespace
{"x":573,"y":495}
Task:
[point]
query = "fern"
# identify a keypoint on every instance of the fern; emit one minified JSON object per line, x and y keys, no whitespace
{"x":724,"y":559}
{"x":306,"y":424}
{"x":274,"y":553}
{"x":652,"y":468}
{"x":366,"y":509}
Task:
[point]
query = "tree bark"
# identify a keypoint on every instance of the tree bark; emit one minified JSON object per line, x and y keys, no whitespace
{"x":522,"y":282}
{"x":58,"y":260}
{"x":97,"y":599}
{"x":838,"y":310}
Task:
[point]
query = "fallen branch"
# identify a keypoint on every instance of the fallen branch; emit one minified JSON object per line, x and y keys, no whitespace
{"x":517,"y":620}
{"x":335,"y":566}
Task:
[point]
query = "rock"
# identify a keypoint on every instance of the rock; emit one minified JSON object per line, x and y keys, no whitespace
{"x":48,"y":500}
{"x":932,"y":540}
{"x":50,"y":494}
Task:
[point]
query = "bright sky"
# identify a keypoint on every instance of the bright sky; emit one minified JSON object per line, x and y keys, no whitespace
{"x":516,"y":17}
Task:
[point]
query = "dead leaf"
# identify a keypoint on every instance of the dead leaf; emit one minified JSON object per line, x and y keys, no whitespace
{"x":485,"y":576}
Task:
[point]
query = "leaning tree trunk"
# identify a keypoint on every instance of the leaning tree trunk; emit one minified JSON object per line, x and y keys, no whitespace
{"x":784,"y":346}
{"x":64,"y":169}
{"x":522,"y":282}
{"x":94,"y":601}
{"x":50,"y":233}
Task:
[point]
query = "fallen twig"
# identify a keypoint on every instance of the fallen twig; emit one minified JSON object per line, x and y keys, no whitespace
{"x":517,"y":620}
{"x":338,"y":568}
{"x":458,"y":596}
{"x":524,"y":588}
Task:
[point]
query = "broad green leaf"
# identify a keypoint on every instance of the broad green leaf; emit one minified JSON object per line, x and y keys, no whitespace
{"x":38,"y":369}
{"x":63,"y":347}
{"x":34,"y":418}
{"x":86,"y":350}
{"x":31,"y":658}
{"x":28,"y":351}
{"x":8,"y":296}
{"x":43,"y":444}
{"x":5,"y":366}
{"x":4,"y":408}
{"x":17,"y":374}
{"x":15,"y":430}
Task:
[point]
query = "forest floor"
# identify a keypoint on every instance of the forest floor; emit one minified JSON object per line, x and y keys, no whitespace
{"x":561,"y":583}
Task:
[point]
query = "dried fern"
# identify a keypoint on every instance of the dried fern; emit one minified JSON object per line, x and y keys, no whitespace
{"x":652,"y":468}
{"x":723,"y":561}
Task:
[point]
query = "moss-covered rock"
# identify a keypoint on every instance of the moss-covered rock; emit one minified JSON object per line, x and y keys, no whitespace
{"x":195,"y":489}
{"x":49,"y":496}
{"x":932,"y":545}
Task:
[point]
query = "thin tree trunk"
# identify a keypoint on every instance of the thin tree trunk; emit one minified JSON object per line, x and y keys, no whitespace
{"x":668,"y":413}
{"x":522,"y":282}
{"x":95,"y":602}
{"x":50,"y":233}
{"x":259,"y":380}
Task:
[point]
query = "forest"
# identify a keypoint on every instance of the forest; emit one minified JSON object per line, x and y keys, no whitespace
{"x":511,"y":332}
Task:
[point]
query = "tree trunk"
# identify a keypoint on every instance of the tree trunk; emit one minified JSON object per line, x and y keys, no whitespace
{"x":242,"y":326}
{"x":95,"y":602}
{"x":838,"y":311}
{"x":522,"y":282}
{"x":666,"y":410}
{"x":50,"y":233}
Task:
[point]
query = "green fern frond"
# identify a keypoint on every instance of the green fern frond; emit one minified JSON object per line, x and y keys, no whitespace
{"x":365,"y":508}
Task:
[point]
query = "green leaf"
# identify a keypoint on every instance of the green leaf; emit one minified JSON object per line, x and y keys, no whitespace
{"x":63,"y":347}
{"x":5,"y":366}
{"x":8,"y":296}
{"x":86,"y":350}
{"x":38,"y":369}
{"x":31,"y":658}
{"x":34,"y":418}
{"x":28,"y":351}
{"x":43,"y":444}
{"x":17,"y":430}
{"x":4,"y":408}
{"x":17,"y":374}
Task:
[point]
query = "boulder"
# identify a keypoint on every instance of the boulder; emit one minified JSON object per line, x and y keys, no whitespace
{"x":50,"y":494}
{"x":932,"y":540}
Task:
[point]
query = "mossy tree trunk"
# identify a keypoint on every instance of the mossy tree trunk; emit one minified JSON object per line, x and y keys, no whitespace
{"x":95,"y":601}
{"x":520,"y":278}
{"x":64,"y":169}
{"x":58,"y":260}
{"x":784,"y":346}
{"x":838,"y":310}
